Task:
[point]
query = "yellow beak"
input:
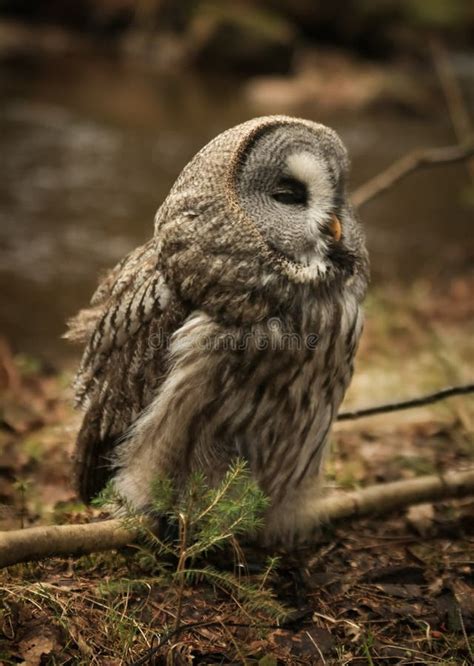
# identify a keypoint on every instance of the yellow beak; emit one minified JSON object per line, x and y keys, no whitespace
{"x":335,"y":228}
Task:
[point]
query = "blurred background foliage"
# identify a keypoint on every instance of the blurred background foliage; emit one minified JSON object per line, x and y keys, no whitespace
{"x":104,"y":101}
{"x":256,"y":35}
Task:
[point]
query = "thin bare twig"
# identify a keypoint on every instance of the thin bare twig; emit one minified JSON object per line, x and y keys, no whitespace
{"x":428,"y":399}
{"x":418,"y":159}
{"x":152,"y":651}
{"x":180,"y":570}
{"x":453,"y":94}
{"x":317,"y":647}
{"x":464,"y":633}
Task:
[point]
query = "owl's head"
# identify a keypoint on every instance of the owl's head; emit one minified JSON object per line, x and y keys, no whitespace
{"x":289,"y":178}
{"x":265,"y":199}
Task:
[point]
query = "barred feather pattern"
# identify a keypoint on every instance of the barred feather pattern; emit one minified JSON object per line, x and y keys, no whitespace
{"x":174,"y":378}
{"x":123,"y":362}
{"x":274,"y":407}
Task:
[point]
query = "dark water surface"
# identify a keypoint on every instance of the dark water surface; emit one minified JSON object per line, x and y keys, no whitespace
{"x":89,"y":150}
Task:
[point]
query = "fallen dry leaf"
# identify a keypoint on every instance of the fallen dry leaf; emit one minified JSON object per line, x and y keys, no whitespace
{"x":420,"y":517}
{"x":34,"y":647}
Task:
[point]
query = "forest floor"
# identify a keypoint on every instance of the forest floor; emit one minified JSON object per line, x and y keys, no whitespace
{"x":398,"y":589}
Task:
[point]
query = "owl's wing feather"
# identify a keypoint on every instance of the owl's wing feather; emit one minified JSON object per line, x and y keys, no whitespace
{"x":126,"y":328}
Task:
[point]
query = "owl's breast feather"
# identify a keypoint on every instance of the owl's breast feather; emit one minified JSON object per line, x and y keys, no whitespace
{"x":227,"y":395}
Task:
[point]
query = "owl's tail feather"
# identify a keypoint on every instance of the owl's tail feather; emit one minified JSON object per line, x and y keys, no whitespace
{"x":93,"y":459}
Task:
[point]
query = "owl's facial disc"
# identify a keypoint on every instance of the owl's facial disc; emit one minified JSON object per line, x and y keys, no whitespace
{"x":312,"y":175}
{"x":305,"y":193}
{"x":291,"y":186}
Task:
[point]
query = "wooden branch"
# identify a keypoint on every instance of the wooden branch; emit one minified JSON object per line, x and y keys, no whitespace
{"x":36,"y":543}
{"x":428,"y":399}
{"x":385,"y":497}
{"x":406,"y":165}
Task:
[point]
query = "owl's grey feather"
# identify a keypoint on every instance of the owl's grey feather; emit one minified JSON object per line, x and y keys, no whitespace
{"x":174,"y":369}
{"x":123,"y":361}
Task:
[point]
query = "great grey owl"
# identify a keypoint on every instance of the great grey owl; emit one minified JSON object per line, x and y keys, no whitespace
{"x":232,"y":332}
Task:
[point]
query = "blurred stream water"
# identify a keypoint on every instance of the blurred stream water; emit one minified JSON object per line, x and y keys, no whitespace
{"x":90,"y":148}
